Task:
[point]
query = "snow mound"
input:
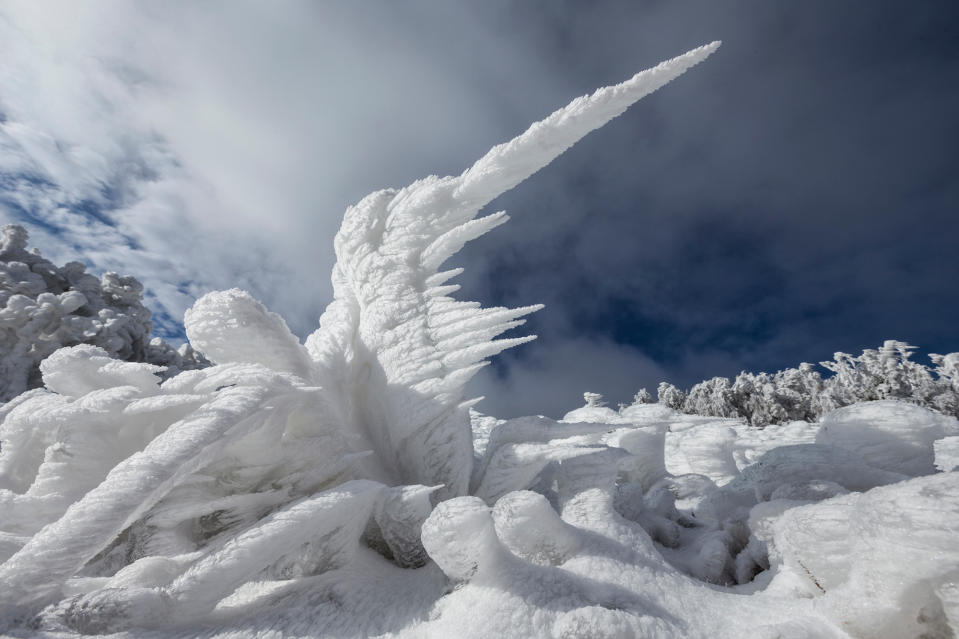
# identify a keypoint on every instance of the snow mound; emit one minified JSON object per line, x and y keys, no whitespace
{"x":897,"y":543}
{"x":889,"y":434}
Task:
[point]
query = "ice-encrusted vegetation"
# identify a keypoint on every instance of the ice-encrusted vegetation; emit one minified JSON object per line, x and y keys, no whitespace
{"x":344,"y":488}
{"x":802,"y":394}
{"x":44,"y":307}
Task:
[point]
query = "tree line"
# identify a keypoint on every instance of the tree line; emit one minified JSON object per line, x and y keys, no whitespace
{"x":802,"y":393}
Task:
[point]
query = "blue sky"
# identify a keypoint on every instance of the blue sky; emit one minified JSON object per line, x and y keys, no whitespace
{"x":794,"y":196}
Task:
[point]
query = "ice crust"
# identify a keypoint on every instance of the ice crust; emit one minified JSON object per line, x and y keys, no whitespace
{"x":344,"y":488}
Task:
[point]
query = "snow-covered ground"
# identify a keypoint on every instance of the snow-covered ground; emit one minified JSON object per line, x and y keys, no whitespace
{"x":344,"y":488}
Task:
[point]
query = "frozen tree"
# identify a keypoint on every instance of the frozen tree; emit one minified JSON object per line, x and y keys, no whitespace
{"x":798,"y":391}
{"x":947,"y":368}
{"x":642,"y":396}
{"x":753,"y":398}
{"x":802,"y":394}
{"x":670,"y":396}
{"x":847,"y":384}
{"x":946,"y":397}
{"x":593,"y":400}
{"x":43,"y":307}
{"x":888,"y":373}
{"x":762,"y":399}
{"x":712,"y":397}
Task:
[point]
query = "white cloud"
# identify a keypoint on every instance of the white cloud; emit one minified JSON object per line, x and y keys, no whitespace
{"x":226,"y":140}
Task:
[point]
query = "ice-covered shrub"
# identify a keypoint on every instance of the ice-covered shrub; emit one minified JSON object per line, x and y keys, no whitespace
{"x":801,"y":393}
{"x":44,"y":307}
{"x":713,"y":397}
{"x":669,"y":395}
{"x":642,"y":396}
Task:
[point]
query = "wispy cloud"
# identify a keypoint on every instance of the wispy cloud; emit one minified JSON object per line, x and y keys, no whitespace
{"x":204,"y":148}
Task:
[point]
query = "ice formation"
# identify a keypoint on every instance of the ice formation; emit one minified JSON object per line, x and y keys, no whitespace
{"x":43,"y":308}
{"x":344,"y":488}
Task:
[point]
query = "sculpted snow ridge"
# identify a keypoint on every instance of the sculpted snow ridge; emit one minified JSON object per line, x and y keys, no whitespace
{"x":343,"y":487}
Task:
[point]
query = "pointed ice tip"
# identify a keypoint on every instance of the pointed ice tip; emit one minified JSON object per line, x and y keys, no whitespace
{"x":470,"y":403}
{"x":709,"y":48}
{"x":506,"y":165}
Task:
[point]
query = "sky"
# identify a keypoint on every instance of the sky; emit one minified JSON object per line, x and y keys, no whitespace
{"x":793,"y":196}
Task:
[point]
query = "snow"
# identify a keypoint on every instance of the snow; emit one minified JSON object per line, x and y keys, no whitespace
{"x":231,"y":326}
{"x":345,"y":488}
{"x":946,"y":451}
{"x":896,"y":543}
{"x":889,"y":434}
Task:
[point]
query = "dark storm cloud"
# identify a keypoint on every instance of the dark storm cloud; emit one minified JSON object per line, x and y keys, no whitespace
{"x":793,"y":197}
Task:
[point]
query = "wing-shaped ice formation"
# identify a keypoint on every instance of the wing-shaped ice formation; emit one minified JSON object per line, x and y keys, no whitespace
{"x":393,"y":346}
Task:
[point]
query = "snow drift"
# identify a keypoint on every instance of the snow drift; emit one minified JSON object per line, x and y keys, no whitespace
{"x":343,"y":488}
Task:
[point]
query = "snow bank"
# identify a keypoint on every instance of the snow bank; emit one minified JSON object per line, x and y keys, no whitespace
{"x":889,"y":434}
{"x":896,"y":543}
